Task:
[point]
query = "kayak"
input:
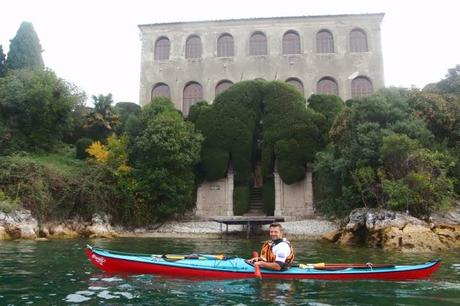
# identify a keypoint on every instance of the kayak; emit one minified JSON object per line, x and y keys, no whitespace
{"x":222,"y":267}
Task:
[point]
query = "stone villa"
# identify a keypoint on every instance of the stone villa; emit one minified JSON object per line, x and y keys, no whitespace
{"x":193,"y":61}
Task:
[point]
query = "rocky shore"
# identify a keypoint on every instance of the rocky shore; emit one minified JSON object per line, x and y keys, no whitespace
{"x":21,"y":225}
{"x":374,"y":228}
{"x":396,"y":231}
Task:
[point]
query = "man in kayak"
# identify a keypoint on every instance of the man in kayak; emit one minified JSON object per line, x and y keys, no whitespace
{"x":277,"y":253}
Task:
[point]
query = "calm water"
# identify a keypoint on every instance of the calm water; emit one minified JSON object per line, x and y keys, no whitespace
{"x":58,"y":273}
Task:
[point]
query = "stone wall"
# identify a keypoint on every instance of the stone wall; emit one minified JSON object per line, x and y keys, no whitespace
{"x":295,"y":201}
{"x":309,"y":66}
{"x":215,"y":199}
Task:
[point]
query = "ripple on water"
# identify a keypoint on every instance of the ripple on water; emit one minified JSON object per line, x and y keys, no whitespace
{"x":76,"y":298}
{"x":112,"y":279}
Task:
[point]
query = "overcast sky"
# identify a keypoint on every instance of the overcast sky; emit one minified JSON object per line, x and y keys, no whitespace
{"x":95,"y":43}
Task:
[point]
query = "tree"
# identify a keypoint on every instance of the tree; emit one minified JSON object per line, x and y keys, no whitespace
{"x":163,"y":150}
{"x":2,"y":62}
{"x":35,"y":108}
{"x":102,"y":120}
{"x":25,"y":49}
{"x":124,"y":110}
{"x":449,"y":85}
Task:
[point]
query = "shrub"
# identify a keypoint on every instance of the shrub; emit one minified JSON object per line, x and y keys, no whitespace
{"x":80,"y":147}
{"x":241,"y":197}
{"x":268,"y":195}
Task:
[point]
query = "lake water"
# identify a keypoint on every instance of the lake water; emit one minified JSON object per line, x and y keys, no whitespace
{"x":58,"y":273}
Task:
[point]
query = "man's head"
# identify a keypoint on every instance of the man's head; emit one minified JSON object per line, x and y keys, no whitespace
{"x":276,"y":231}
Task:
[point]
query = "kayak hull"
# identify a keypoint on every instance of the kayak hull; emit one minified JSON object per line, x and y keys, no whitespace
{"x":236,"y":268}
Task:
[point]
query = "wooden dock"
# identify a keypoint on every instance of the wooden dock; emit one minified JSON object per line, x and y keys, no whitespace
{"x":248,"y":222}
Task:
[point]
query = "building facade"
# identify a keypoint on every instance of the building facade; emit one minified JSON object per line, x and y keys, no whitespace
{"x":193,"y":61}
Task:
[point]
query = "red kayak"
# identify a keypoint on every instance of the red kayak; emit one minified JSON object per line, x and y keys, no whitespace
{"x":221,"y":267}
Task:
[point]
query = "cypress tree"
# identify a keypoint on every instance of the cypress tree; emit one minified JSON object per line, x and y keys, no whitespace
{"x":25,"y":49}
{"x":2,"y":62}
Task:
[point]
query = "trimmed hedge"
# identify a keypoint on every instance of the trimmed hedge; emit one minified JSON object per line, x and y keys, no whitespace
{"x":272,"y":114}
{"x":241,"y":196}
{"x":268,"y":194}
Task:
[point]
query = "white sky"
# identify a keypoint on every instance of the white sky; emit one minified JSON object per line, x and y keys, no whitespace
{"x":95,"y":43}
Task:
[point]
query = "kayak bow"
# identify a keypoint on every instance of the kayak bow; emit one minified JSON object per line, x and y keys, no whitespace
{"x":219,"y":267}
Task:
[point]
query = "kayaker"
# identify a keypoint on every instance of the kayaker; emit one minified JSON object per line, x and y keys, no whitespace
{"x":277,"y":253}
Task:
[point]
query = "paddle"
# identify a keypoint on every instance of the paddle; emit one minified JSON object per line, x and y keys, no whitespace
{"x":193,"y":256}
{"x":257,"y":273}
{"x":324,"y":266}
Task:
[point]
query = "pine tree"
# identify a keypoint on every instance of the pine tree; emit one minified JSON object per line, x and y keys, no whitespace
{"x":2,"y":62}
{"x":25,"y":49}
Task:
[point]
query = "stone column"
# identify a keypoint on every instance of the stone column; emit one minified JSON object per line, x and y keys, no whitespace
{"x":278,"y":194}
{"x":229,"y":192}
{"x":309,"y":192}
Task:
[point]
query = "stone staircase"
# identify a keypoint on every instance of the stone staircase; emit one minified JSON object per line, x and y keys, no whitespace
{"x":256,"y":203}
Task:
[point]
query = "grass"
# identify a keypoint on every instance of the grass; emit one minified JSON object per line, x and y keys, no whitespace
{"x":63,"y":160}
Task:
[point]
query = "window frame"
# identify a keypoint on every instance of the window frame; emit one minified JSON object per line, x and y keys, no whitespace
{"x":158,"y":52}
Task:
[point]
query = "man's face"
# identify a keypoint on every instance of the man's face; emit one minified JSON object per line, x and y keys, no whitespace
{"x":275,"y":233}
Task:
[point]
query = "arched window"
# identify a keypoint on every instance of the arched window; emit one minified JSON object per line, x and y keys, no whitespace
{"x":161,"y":90}
{"x":291,"y":43}
{"x":324,"y":42}
{"x":258,"y":44}
{"x":296,"y":83}
{"x":225,"y":45}
{"x":193,"y":47}
{"x":193,"y":92}
{"x":358,"y":41}
{"x":223,"y":86}
{"x":361,"y":87}
{"x":327,"y":86}
{"x":162,"y":49}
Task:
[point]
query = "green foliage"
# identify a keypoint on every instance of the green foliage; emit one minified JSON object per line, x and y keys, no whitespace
{"x":80,"y":147}
{"x":258,"y":118}
{"x":25,"y":50}
{"x":395,"y":153}
{"x":268,"y":195}
{"x":327,"y":105}
{"x":102,"y":120}
{"x":441,"y":114}
{"x":426,"y":188}
{"x":449,"y":85}
{"x":164,"y":150}
{"x":364,"y":179}
{"x":241,"y":197}
{"x":35,"y":110}
{"x":124,"y":110}
{"x":7,"y":204}
{"x":2,"y":62}
{"x":388,"y":150}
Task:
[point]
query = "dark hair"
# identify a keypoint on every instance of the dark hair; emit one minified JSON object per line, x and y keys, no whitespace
{"x":276,"y":225}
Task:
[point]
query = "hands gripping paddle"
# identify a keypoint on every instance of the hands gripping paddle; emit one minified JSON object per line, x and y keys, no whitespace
{"x":256,"y":268}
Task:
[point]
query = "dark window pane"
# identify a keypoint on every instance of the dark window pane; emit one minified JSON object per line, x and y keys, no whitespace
{"x":296,"y":83}
{"x":225,"y":45}
{"x":324,"y":42}
{"x":192,"y":94}
{"x":161,"y":90}
{"x":258,"y":44}
{"x":223,"y":86}
{"x":193,"y":47}
{"x":162,"y":49}
{"x":358,"y":41}
{"x":291,"y":43}
{"x":361,"y":87}
{"x":327,"y":86}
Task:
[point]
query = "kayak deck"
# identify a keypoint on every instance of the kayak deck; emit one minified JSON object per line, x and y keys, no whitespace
{"x":219,"y":267}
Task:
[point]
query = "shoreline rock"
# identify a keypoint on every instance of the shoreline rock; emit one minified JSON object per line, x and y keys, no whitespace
{"x":397,"y":231}
{"x":99,"y":227}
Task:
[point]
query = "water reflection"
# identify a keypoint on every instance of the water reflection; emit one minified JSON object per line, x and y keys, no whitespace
{"x":57,"y":272}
